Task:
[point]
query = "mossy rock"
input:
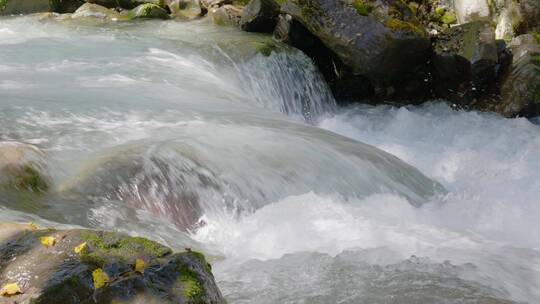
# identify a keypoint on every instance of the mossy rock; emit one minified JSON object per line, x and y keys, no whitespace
{"x":23,"y":167}
{"x":16,"y":7}
{"x":378,"y":40}
{"x":148,"y":11}
{"x":59,"y":274}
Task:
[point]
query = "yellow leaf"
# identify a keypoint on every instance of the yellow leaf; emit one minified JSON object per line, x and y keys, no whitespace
{"x":81,"y":248}
{"x":140,"y":266}
{"x":100,"y":278}
{"x":48,"y":241}
{"x":33,"y":226}
{"x":10,"y":289}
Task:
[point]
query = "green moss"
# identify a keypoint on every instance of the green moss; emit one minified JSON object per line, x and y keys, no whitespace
{"x":398,"y":25}
{"x":449,"y":18}
{"x":241,"y":2}
{"x":203,"y":261}
{"x":536,"y":59}
{"x":3,"y":5}
{"x":536,"y":36}
{"x":93,"y":259}
{"x":28,"y":177}
{"x":362,"y":8}
{"x":193,"y":289}
{"x":123,"y":247}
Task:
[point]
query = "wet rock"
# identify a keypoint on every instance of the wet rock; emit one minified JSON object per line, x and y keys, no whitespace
{"x":59,"y":273}
{"x":530,"y":14}
{"x":465,"y":58}
{"x":226,"y":15}
{"x":260,"y":16}
{"x":371,"y":44}
{"x":186,"y":9}
{"x":127,"y":4}
{"x":169,"y":188}
{"x":16,"y":7}
{"x":148,"y":11}
{"x":89,"y":10}
{"x":520,"y":89}
{"x":365,"y":36}
{"x":23,"y":167}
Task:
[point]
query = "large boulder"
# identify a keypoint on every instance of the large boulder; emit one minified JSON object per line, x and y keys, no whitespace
{"x":173,"y":187}
{"x":465,"y":61}
{"x":362,"y":47}
{"x":23,"y":167}
{"x":90,"y":10}
{"x":379,"y":40}
{"x":186,"y":9}
{"x":520,"y":89}
{"x":260,"y":16}
{"x":16,"y":7}
{"x":84,"y":266}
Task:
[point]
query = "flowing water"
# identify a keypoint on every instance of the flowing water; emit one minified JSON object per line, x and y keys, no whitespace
{"x":192,"y":135}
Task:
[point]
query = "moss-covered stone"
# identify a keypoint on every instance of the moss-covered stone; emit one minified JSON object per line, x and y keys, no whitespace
{"x":362,"y":7}
{"x":449,"y":18}
{"x":148,"y":11}
{"x":169,"y":278}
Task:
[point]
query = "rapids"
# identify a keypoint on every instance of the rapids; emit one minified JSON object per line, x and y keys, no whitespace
{"x":299,"y":201}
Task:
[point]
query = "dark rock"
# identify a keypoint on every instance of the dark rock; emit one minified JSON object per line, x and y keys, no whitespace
{"x":259,"y":16}
{"x":59,"y":274}
{"x":374,"y":43}
{"x":530,"y":14}
{"x":127,"y":4}
{"x":520,"y":89}
{"x":465,"y":62}
{"x":16,"y":7}
{"x":362,"y":45}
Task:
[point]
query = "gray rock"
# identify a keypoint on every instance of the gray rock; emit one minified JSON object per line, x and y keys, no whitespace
{"x":259,"y":16}
{"x":520,"y":90}
{"x":127,"y":4}
{"x":16,"y":7}
{"x":365,"y":36}
{"x":59,"y":274}
{"x":148,"y":11}
{"x":465,"y":58}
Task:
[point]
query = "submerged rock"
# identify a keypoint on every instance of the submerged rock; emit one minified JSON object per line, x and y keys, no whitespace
{"x":84,"y":266}
{"x":260,"y":16}
{"x":16,"y":7}
{"x":465,"y":58}
{"x":520,"y":90}
{"x":22,"y":167}
{"x":169,"y":188}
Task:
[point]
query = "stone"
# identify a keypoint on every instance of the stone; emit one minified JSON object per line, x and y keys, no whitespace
{"x":167,"y":188}
{"x":90,"y":10}
{"x":226,"y":15}
{"x":520,"y":88}
{"x":104,"y":272}
{"x":23,"y":167}
{"x":260,"y":16}
{"x":16,"y":7}
{"x":148,"y":11}
{"x":472,"y":10}
{"x":465,"y":58}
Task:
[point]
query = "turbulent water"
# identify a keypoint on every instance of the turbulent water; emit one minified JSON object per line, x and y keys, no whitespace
{"x":295,"y":199}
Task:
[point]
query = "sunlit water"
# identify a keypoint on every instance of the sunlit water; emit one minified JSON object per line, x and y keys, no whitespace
{"x":298,"y":206}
